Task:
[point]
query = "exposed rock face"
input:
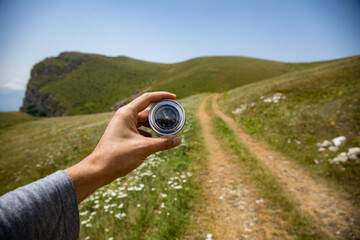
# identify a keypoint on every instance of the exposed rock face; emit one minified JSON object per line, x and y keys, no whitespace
{"x":56,"y":66}
{"x":38,"y":104}
{"x":41,"y":105}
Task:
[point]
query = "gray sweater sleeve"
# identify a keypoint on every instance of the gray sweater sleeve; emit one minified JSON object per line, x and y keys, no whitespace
{"x":45,"y":209}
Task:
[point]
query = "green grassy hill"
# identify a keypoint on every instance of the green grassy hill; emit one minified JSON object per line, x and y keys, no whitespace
{"x":76,"y":83}
{"x":319,"y":101}
{"x":315,"y":104}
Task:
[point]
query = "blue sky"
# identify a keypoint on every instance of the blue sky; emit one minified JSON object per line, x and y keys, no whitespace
{"x":171,"y":31}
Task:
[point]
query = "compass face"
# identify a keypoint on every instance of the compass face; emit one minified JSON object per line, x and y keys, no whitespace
{"x":167,"y":117}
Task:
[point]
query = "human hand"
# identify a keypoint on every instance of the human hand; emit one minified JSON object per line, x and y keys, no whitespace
{"x":122,"y":148}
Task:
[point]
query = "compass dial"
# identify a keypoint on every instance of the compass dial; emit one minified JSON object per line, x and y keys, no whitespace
{"x":167,"y":117}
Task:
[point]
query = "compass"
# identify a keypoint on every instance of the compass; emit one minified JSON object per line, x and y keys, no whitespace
{"x":167,"y":117}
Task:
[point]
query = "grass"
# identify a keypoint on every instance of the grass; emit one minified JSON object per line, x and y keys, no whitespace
{"x":268,"y":188}
{"x":153,"y":202}
{"x":320,"y":104}
{"x":8,"y":119}
{"x":89,"y":83}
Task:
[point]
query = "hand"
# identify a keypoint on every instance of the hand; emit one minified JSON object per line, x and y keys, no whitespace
{"x":122,"y":148}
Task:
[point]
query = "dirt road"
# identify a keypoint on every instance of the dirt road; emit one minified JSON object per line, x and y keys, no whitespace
{"x":312,"y":195}
{"x":234,"y":210}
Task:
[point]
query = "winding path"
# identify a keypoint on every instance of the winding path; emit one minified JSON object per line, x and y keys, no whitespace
{"x":231,"y":207}
{"x":312,"y":195}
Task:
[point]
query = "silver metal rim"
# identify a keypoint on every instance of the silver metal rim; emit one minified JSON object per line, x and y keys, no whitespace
{"x":174,"y":104}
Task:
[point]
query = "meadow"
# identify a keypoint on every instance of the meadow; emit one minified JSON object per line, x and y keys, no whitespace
{"x":267,"y":177}
{"x":153,"y":202}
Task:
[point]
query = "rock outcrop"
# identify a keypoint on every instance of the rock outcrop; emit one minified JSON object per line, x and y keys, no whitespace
{"x":38,"y":104}
{"x":42,"y":104}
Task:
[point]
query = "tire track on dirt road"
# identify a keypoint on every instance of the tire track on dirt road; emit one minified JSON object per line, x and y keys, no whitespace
{"x":312,"y":195}
{"x":231,"y":207}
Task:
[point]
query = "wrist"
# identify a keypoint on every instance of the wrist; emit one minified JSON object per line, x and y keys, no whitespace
{"x":87,"y":176}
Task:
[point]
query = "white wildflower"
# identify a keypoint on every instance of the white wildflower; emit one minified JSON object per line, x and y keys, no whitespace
{"x":122,"y":195}
{"x":84,"y":213}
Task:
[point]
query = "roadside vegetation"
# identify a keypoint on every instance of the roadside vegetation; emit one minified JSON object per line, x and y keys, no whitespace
{"x":295,"y":112}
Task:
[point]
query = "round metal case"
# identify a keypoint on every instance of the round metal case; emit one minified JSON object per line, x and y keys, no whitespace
{"x":166,"y":117}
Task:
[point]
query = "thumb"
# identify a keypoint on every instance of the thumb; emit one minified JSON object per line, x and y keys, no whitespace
{"x":163,"y":143}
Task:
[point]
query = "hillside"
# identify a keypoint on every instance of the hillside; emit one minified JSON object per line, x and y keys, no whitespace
{"x":76,"y":83}
{"x":8,"y":119}
{"x":249,"y":165}
{"x":297,"y":111}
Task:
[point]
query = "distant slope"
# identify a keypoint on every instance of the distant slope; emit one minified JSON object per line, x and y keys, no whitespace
{"x":316,"y":104}
{"x":11,"y":118}
{"x":77,"y":83}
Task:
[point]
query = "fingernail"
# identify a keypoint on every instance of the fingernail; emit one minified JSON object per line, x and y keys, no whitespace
{"x":176,"y":141}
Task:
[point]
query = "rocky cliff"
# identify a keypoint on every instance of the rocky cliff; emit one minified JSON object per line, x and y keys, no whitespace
{"x":77,"y":83}
{"x":40,"y":103}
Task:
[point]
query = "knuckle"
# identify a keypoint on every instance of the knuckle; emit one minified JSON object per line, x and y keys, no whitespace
{"x":167,"y":143}
{"x":146,"y":94}
{"x":124,"y":112}
{"x":121,"y":112}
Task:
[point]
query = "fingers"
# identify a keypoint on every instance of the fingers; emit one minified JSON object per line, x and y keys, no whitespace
{"x":144,"y":133}
{"x":143,"y":117}
{"x":163,"y":143}
{"x":140,"y":103}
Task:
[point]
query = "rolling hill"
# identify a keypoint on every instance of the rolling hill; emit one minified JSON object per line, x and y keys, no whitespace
{"x":76,"y":83}
{"x":176,"y":194}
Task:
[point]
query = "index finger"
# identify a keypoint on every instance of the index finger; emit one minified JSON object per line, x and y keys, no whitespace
{"x":146,"y":99}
